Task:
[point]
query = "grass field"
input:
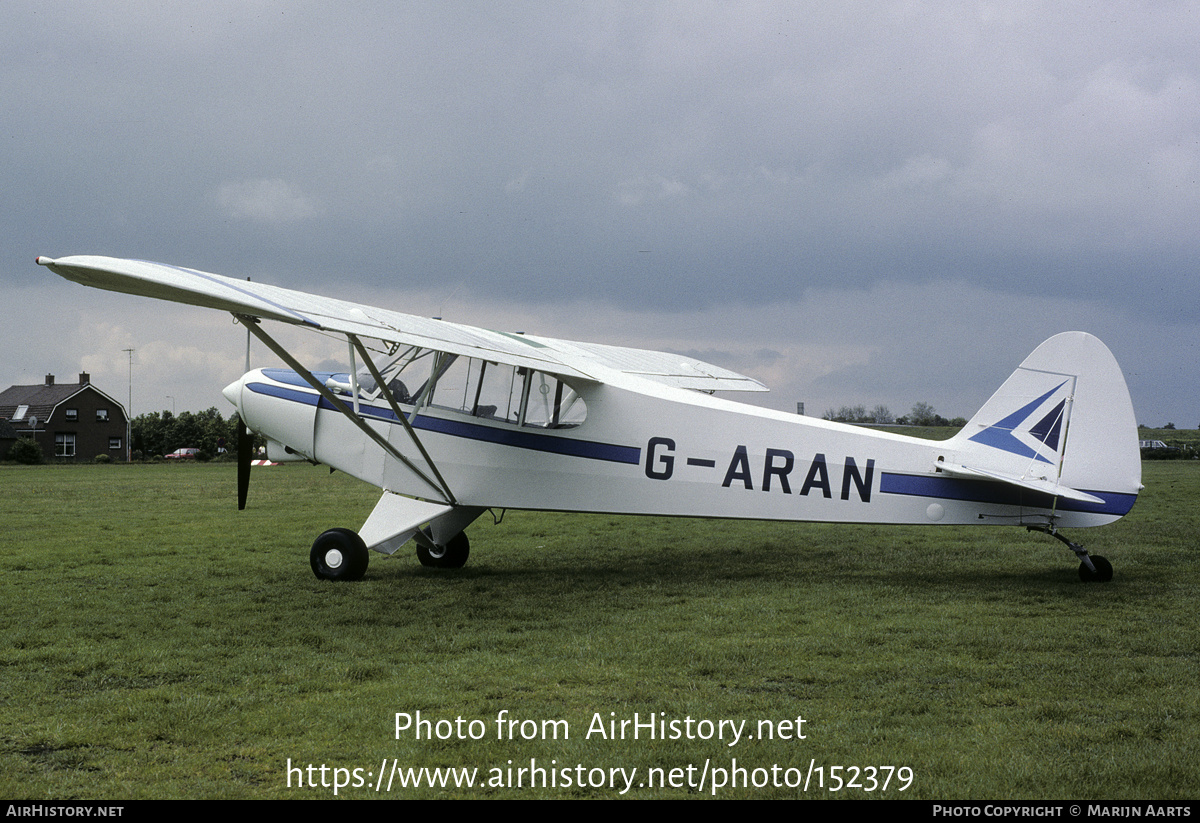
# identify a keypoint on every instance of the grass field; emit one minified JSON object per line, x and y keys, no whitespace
{"x":159,"y":644}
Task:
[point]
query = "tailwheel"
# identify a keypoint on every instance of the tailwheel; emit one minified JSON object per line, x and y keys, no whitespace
{"x":453,"y":555}
{"x":1101,"y":572}
{"x":339,"y":554}
{"x":1092,"y":567}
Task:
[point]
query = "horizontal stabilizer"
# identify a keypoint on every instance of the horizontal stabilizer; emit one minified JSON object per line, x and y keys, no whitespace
{"x":1037,"y":484}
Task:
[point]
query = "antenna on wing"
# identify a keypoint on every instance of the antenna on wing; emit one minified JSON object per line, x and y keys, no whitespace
{"x":442,"y":308}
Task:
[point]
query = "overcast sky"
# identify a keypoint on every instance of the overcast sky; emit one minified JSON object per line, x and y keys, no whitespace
{"x":875,"y":203}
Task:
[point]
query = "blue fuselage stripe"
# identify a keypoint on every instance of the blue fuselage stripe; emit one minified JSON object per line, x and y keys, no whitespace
{"x":514,"y":437}
{"x":1005,"y":494}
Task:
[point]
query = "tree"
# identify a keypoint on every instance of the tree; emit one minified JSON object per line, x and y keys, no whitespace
{"x":922,"y":414}
{"x":26,"y":451}
{"x":848,"y":414}
{"x":148,"y":432}
{"x":162,"y":432}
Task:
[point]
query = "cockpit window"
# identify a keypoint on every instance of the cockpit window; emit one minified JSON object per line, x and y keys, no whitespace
{"x":407,"y":375}
{"x":551,"y":403}
{"x":491,"y":391}
{"x":498,"y":396}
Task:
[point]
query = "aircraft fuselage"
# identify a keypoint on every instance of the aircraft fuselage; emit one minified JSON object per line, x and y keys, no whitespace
{"x":657,"y":450}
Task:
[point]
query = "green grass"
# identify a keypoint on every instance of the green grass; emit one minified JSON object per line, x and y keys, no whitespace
{"x":157,"y":643}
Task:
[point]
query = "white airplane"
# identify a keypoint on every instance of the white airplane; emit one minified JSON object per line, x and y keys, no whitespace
{"x":451,"y":421}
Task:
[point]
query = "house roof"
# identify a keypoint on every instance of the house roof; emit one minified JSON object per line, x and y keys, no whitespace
{"x":42,"y":400}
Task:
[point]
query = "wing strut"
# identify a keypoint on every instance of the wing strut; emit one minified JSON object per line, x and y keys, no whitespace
{"x":443,"y":491}
{"x":379,"y":381}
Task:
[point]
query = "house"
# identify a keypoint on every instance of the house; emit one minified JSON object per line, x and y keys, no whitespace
{"x":72,"y":422}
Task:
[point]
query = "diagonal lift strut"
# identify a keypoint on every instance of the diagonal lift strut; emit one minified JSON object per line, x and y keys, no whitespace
{"x":437,"y":483}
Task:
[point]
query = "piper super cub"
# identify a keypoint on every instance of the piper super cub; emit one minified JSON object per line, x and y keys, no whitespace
{"x":450,"y":421}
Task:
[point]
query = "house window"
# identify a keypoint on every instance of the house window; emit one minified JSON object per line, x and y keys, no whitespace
{"x":64,"y":444}
{"x":72,"y":415}
{"x":101,"y":415}
{"x":114,"y":444}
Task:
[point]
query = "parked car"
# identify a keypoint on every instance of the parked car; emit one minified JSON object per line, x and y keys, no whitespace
{"x":183,"y":454}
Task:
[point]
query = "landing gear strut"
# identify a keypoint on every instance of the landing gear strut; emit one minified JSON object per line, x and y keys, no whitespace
{"x":1092,"y":568}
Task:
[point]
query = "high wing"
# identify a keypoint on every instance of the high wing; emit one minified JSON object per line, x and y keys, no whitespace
{"x":242,"y":297}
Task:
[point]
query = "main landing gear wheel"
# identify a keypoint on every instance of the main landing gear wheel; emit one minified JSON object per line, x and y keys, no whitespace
{"x":451,"y":556}
{"x":1103,"y":572}
{"x":339,"y":554}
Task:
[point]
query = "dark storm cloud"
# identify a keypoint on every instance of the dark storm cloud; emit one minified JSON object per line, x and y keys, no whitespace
{"x":667,"y":158}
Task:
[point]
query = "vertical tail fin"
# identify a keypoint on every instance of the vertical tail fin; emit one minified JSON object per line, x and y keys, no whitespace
{"x":1063,"y":419}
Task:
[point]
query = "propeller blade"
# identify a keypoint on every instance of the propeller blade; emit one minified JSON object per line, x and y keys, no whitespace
{"x":245,"y":453}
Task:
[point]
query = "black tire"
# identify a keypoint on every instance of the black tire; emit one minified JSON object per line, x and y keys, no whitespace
{"x":1103,"y":573}
{"x":339,"y":554}
{"x":451,"y":556}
